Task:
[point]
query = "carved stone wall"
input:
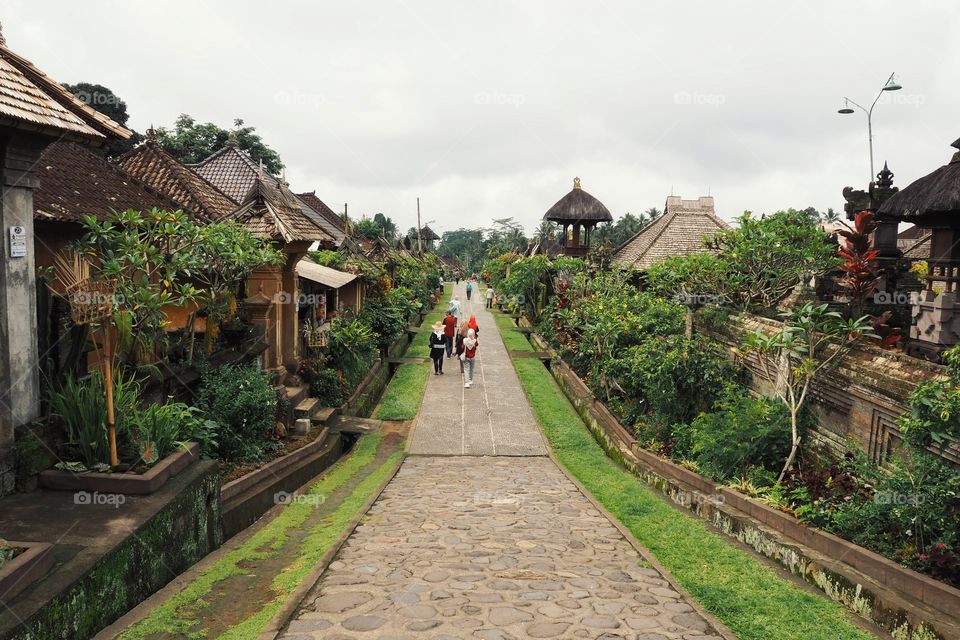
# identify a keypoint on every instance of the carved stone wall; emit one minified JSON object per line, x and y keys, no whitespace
{"x":858,"y":400}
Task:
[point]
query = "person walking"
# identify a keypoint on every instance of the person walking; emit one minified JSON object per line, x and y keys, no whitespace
{"x":472,"y":324}
{"x":456,"y":276}
{"x":454,"y":307}
{"x":437,"y":346}
{"x":460,"y":337}
{"x":470,"y":346}
{"x":469,"y":290}
{"x":489,"y":297}
{"x":449,"y":329}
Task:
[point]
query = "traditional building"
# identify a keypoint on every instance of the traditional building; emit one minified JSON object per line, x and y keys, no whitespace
{"x":154,"y":166}
{"x":577,"y":213}
{"x":270,"y":210}
{"x":933,"y":202}
{"x":35,"y":111}
{"x":234,"y":172}
{"x":75,"y":183}
{"x":681,"y":230}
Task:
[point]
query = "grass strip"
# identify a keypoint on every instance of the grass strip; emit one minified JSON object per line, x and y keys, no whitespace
{"x":512,"y":338}
{"x":314,"y":546}
{"x":401,"y":400}
{"x":744,"y":593}
{"x":176,"y":615}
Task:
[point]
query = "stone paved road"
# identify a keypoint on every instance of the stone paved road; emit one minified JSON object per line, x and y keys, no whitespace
{"x":491,"y":419}
{"x":492,"y":548}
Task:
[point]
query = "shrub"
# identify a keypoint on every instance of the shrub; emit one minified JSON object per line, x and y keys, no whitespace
{"x":241,"y":399}
{"x":673,"y":378}
{"x":387,"y":316}
{"x":744,"y":432}
{"x":912,"y":516}
{"x":157,"y":430}
{"x":352,"y":349}
{"x":6,"y":552}
{"x":326,"y":387}
{"x":934,"y":407}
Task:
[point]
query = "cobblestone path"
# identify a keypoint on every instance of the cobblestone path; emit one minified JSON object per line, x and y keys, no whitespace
{"x":489,"y":547}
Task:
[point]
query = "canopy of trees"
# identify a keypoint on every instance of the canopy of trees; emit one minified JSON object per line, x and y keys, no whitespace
{"x":190,"y":142}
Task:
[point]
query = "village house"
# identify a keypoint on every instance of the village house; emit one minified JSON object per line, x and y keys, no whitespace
{"x":681,"y":230}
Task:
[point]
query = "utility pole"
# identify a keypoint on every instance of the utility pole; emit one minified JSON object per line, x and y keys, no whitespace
{"x":419,"y":234}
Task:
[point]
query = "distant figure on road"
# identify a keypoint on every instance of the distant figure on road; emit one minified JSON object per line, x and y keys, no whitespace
{"x":437,"y":345}
{"x":449,"y":329}
{"x":489,"y":297}
{"x":454,"y":307}
{"x":456,"y":276}
{"x":461,"y":336}
{"x":469,"y":290}
{"x":470,"y":346}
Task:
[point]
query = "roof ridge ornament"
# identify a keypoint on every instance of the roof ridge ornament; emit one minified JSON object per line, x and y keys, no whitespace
{"x":151,"y":133}
{"x":576,"y":183}
{"x":232,"y":139}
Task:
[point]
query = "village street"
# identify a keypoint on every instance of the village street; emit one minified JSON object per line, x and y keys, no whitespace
{"x":471,"y":541}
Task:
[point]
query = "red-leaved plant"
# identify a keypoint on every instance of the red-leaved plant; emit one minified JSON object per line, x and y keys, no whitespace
{"x":861,"y":275}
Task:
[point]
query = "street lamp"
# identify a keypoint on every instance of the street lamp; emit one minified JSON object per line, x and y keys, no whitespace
{"x":891,"y":85}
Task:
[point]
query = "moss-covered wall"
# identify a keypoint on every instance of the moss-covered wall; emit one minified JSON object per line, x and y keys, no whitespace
{"x":184,"y":531}
{"x":370,"y":394}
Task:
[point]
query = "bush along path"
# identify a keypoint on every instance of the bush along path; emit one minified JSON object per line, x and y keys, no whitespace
{"x":747,"y":595}
{"x":236,"y":591}
{"x":481,"y":535}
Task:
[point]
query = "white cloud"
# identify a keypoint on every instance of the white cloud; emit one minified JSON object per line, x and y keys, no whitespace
{"x":488,"y":110}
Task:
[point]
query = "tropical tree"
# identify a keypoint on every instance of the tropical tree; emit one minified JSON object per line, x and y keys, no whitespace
{"x":367,"y":228}
{"x":190,"y":142}
{"x":812,"y":339}
{"x":109,"y":104}
{"x":388,"y":228}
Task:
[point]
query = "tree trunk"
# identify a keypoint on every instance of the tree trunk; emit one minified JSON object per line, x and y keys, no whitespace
{"x":794,"y":446}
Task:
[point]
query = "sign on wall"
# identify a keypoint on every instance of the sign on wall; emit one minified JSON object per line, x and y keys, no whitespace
{"x":18,"y":241}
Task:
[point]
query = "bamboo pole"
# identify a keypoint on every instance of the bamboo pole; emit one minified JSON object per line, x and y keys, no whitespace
{"x":108,"y":385}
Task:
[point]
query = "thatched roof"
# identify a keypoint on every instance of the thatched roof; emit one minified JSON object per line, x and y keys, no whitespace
{"x":679,"y":231}
{"x":271,"y":210}
{"x":931,"y":201}
{"x":578,"y":206}
{"x":29,"y":99}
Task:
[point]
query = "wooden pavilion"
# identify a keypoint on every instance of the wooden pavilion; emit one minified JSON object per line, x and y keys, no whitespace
{"x":577,"y":213}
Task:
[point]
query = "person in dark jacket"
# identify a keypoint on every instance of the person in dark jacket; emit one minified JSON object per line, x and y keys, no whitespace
{"x":437,"y":347}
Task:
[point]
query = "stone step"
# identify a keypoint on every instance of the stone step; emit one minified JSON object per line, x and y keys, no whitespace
{"x":297,"y":393}
{"x":306,"y":408}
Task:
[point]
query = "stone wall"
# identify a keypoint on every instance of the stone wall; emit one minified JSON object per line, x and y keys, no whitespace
{"x":858,"y":400}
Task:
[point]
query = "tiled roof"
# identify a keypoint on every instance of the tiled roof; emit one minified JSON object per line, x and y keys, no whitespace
{"x":271,"y":210}
{"x":75,"y":183}
{"x":332,"y":230}
{"x":232,"y":171}
{"x":321,"y":207}
{"x":29,"y":99}
{"x":679,"y":231}
{"x":151,"y":164}
{"x":918,"y":247}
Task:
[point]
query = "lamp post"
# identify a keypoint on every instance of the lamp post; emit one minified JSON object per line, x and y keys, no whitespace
{"x":891,"y":85}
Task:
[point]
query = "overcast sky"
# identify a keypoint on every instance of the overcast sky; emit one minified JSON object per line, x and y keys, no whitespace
{"x":489,"y":109}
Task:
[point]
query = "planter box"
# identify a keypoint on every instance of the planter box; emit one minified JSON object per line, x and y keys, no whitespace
{"x":874,"y":587}
{"x":129,"y":483}
{"x":25,"y":569}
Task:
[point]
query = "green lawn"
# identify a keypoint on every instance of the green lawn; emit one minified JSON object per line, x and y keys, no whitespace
{"x":512,"y":338}
{"x":401,"y":400}
{"x":747,"y":595}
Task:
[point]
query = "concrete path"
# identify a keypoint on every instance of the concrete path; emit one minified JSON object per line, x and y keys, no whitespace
{"x":493,"y":418}
{"x":493,"y":548}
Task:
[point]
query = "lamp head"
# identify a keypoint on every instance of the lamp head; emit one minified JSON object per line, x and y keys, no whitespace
{"x":892,"y":84}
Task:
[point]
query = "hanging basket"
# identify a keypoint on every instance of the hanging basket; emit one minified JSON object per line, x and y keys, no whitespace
{"x":316,"y":338}
{"x":90,"y":300}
